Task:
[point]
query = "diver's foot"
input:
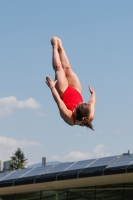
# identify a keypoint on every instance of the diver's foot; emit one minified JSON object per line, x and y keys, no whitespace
{"x":54,"y":42}
{"x":59,"y":44}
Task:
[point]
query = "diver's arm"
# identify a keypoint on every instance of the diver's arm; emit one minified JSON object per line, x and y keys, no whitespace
{"x":64,"y":112}
{"x":92,"y":102}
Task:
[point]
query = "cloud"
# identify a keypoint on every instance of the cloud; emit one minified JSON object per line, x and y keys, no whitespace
{"x":99,"y":151}
{"x":9,"y":145}
{"x":8,"y":104}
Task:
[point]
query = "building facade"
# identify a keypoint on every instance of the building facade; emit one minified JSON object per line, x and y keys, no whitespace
{"x":0,"y":165}
{"x":6,"y":165}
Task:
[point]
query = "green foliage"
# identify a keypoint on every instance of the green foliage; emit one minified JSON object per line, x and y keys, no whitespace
{"x":18,"y":160}
{"x":9,"y":166}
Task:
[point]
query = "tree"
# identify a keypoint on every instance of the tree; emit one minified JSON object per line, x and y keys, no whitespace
{"x":18,"y":160}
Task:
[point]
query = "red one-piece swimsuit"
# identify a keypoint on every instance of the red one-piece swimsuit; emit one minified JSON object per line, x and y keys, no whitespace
{"x":71,"y":97}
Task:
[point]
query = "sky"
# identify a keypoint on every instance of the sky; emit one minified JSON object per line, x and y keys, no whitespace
{"x":98,"y":39}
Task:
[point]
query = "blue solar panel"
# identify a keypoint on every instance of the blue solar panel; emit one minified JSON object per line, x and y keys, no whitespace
{"x":4,"y":174}
{"x":103,"y":161}
{"x":59,"y":168}
{"x":16,"y":174}
{"x":64,"y":171}
{"x":37,"y":171}
{"x":122,"y":161}
{"x":80,"y":164}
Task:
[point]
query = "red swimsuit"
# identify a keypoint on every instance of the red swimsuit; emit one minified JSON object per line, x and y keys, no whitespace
{"x":71,"y":97}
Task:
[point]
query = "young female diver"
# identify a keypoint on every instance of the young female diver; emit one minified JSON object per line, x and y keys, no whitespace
{"x":67,"y":91}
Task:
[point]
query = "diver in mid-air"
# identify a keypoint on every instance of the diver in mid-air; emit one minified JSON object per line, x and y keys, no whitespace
{"x":67,"y":91}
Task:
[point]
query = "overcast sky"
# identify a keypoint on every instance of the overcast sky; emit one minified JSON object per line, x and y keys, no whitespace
{"x":98,"y":38}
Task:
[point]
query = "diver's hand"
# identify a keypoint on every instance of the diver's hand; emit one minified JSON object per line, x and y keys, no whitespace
{"x":93,"y":96}
{"x":91,"y":90}
{"x":51,"y":84}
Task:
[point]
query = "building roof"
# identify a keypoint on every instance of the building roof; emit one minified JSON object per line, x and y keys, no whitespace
{"x":80,"y":170}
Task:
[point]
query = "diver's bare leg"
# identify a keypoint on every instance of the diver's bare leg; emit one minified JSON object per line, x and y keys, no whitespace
{"x":70,"y":75}
{"x":60,"y":76}
{"x":64,"y":59}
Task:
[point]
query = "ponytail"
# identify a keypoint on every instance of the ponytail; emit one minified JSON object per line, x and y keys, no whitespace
{"x":87,"y":122}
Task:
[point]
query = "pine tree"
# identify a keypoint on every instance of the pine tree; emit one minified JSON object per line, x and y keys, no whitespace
{"x":18,"y":160}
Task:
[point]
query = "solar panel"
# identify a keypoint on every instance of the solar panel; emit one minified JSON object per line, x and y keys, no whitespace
{"x":103,"y":161}
{"x":69,"y":170}
{"x":80,"y":164}
{"x":37,"y":171}
{"x":16,"y":174}
{"x":4,"y":174}
{"x":59,"y":168}
{"x":97,"y":167}
{"x":122,"y":161}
